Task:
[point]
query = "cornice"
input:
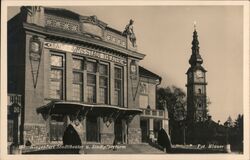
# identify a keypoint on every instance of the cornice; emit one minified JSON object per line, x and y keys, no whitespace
{"x":196,"y":83}
{"x":81,"y":38}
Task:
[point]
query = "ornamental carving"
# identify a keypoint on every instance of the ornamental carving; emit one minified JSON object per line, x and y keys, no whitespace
{"x":35,"y":57}
{"x":61,"y":23}
{"x":111,"y":38}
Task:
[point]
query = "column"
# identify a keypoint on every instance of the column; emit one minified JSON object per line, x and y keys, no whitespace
{"x":151,"y":129}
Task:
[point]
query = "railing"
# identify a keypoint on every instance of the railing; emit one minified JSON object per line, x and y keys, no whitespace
{"x":14,"y":98}
{"x":153,"y":113}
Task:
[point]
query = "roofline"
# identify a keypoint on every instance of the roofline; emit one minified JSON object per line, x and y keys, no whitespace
{"x":76,"y":37}
{"x":153,"y":74}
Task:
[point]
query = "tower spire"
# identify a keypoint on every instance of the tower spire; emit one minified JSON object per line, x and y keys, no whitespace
{"x":194,"y":25}
{"x":195,"y":58}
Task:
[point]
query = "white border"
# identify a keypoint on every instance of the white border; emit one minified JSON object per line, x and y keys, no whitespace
{"x":3,"y":94}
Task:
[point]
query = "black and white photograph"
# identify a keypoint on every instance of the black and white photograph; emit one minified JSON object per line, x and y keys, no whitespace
{"x":122,"y":78}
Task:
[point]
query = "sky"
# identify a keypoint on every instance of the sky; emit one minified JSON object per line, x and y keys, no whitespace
{"x":164,"y":35}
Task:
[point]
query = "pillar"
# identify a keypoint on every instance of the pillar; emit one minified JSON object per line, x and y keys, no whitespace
{"x":151,"y":129}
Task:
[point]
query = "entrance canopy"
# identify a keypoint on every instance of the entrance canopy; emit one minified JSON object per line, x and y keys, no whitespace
{"x":81,"y":109}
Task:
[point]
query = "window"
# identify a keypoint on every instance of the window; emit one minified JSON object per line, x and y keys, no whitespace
{"x":103,"y":83}
{"x":56,"y":76}
{"x":143,"y":88}
{"x":199,"y":91}
{"x":56,"y":128}
{"x":77,"y":79}
{"x":91,"y":82}
{"x":118,"y":87}
{"x":143,"y":99}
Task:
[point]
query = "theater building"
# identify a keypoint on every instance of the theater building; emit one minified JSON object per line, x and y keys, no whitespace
{"x":65,"y":68}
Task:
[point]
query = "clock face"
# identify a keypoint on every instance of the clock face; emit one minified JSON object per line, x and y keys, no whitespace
{"x":199,"y":74}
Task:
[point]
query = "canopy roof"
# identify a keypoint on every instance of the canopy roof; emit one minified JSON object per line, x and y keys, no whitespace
{"x":82,"y":109}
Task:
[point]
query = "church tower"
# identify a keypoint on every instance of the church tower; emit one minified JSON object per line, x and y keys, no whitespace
{"x":196,"y":85}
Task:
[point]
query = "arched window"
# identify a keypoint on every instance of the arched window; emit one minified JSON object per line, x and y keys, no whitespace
{"x":199,"y":91}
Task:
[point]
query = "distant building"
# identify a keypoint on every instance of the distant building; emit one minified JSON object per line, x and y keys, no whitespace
{"x":65,"y":68}
{"x":196,"y":85}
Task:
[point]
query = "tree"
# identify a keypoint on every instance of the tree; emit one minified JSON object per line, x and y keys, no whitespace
{"x":174,"y":100}
{"x":238,"y":129}
{"x":229,"y":122}
{"x":235,"y":132}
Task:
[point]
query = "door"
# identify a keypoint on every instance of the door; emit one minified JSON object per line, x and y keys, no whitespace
{"x":144,"y":129}
{"x":92,"y":129}
{"x":118,"y":130}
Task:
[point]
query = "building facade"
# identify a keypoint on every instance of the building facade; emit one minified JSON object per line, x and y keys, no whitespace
{"x":68,"y":69}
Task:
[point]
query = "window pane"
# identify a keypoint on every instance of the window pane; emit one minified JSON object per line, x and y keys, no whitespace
{"x":143,"y":88}
{"x":77,"y":64}
{"x":91,"y":79}
{"x":77,"y":92}
{"x":77,"y":77}
{"x":55,"y":89}
{"x":91,"y":67}
{"x":118,"y":73}
{"x":117,"y":97}
{"x":91,"y":96}
{"x":103,"y":81}
{"x":56,"y":130}
{"x":103,"y":95}
{"x":103,"y":69}
{"x":56,"y":74}
{"x":117,"y":84}
{"x":56,"y":60}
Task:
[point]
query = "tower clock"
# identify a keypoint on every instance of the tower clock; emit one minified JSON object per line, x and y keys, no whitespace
{"x":196,"y":85}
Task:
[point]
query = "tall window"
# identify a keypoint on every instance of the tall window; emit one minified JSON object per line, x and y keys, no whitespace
{"x":103,"y":83}
{"x":56,"y":76}
{"x":118,"y":86}
{"x":143,"y":99}
{"x":77,"y":79}
{"x":91,"y":82}
{"x":56,"y":128}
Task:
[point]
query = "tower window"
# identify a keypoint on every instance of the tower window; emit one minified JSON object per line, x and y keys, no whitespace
{"x":199,"y":91}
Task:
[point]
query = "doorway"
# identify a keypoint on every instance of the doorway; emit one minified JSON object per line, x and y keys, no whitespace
{"x":92,"y":129}
{"x":144,"y":124}
{"x":118,"y":130}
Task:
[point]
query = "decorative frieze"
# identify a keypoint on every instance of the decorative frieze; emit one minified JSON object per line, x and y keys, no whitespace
{"x":115,"y":39}
{"x":62,"y":23}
